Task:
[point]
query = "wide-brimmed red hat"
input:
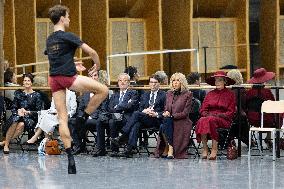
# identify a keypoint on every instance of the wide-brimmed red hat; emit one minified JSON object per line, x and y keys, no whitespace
{"x":211,"y":80}
{"x":261,"y":76}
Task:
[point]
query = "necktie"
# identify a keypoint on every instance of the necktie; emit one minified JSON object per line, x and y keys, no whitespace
{"x":151,"y":102}
{"x":121,"y":97}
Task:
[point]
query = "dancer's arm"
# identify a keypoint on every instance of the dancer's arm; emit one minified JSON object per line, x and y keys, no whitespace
{"x":94,"y":55}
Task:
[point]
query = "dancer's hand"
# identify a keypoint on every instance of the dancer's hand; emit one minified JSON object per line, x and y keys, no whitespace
{"x":93,"y":69}
{"x":79,"y":66}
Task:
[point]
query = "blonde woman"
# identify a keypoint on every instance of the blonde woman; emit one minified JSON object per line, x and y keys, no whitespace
{"x":176,"y":126}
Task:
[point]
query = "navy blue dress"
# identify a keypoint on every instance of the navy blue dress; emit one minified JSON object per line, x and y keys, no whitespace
{"x":30,"y":102}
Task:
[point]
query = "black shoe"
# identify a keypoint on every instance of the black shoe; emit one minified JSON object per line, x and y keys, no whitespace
{"x":114,"y":154}
{"x":71,"y":165}
{"x":119,"y":140}
{"x":99,"y":152}
{"x":127,"y":153}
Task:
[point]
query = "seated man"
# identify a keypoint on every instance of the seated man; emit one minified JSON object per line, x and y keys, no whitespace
{"x":79,"y":134}
{"x":149,"y":115}
{"x":121,"y":106}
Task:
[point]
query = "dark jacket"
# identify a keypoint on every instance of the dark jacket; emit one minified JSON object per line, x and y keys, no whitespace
{"x":159,"y":102}
{"x":128,"y":105}
{"x":84,"y":102}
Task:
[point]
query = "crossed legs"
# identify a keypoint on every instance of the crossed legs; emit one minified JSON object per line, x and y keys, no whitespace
{"x":14,"y":131}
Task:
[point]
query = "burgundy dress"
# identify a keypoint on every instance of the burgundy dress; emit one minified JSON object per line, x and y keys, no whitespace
{"x":217,"y":111}
{"x":255,"y":117}
{"x":179,"y":107}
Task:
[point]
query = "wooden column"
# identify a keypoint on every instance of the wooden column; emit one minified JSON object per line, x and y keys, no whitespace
{"x":1,"y":42}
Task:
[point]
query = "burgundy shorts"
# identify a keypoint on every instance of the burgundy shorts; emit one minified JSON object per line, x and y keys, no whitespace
{"x":60,"y":82}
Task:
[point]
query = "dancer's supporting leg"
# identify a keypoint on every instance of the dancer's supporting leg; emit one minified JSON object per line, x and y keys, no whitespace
{"x":60,"y":104}
{"x":81,"y":84}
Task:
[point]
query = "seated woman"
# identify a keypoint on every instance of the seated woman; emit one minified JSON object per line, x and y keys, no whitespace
{"x":176,"y":127}
{"x":256,"y":96}
{"x":25,"y":106}
{"x":48,"y":118}
{"x":217,"y":111}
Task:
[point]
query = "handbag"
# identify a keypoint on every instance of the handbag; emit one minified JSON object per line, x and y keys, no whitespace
{"x":232,"y":152}
{"x":52,"y":147}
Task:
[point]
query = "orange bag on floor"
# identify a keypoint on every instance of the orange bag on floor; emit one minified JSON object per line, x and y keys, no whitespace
{"x":52,"y":147}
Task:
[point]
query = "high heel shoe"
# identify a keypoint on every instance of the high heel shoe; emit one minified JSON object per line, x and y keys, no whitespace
{"x":170,"y":157}
{"x":164,"y":155}
{"x":213,"y":158}
{"x":204,"y":155}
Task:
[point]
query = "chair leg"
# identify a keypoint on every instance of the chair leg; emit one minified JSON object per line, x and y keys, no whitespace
{"x":191,"y":142}
{"x":273,"y":150}
{"x":249,"y":144}
{"x":260,"y":143}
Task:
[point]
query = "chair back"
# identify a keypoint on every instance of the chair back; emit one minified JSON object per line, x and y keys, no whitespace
{"x":270,"y":106}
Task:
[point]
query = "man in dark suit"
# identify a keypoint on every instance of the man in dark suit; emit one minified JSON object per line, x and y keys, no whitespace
{"x":149,"y":115}
{"x":79,"y":134}
{"x":121,"y":106}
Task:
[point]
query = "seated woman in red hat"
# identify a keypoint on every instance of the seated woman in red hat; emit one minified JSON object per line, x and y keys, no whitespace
{"x":256,"y":96}
{"x":217,"y":111}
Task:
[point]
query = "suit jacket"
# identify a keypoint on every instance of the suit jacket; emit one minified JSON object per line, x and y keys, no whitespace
{"x":128,"y":105}
{"x":103,"y":108}
{"x":159,"y":102}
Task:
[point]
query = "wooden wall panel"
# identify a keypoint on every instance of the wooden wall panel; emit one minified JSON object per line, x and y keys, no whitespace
{"x":25,"y":32}
{"x":152,"y":16}
{"x":9,"y":44}
{"x":281,"y":42}
{"x":1,"y":45}
{"x":94,"y":28}
{"x":268,"y":33}
{"x":42,"y":7}
{"x":176,"y":33}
